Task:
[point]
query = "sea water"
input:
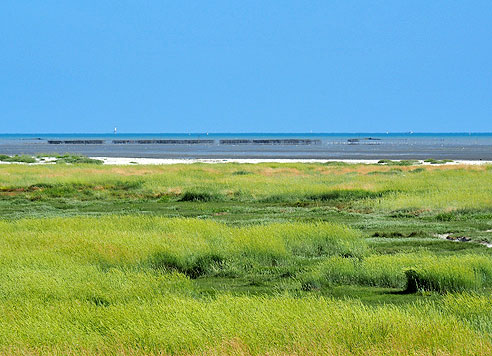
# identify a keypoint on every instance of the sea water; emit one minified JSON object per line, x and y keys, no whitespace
{"x":462,"y":146}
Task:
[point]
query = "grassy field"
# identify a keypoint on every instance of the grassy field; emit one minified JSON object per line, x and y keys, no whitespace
{"x":278,"y":259}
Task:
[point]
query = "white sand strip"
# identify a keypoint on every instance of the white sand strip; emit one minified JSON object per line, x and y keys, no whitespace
{"x":162,"y":161}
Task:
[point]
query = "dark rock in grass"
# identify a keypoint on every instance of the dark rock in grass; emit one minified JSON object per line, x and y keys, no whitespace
{"x":458,"y":238}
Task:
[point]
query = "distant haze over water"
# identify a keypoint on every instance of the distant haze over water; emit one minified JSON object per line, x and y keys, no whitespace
{"x":472,"y":146}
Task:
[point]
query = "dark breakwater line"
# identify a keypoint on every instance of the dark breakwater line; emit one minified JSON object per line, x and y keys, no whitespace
{"x":163,"y":142}
{"x":76,"y":142}
{"x":271,"y":142}
{"x":191,"y":142}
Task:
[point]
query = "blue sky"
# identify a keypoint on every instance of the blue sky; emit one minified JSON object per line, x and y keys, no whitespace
{"x":245,"y":66}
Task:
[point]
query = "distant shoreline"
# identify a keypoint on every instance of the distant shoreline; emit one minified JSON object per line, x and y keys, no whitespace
{"x":291,"y":147}
{"x":167,"y":161}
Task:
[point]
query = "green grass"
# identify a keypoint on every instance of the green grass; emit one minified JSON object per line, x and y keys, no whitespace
{"x":409,"y":272}
{"x":245,"y":259}
{"x":237,"y":325}
{"x":134,"y":278}
{"x":438,"y":161}
{"x":433,"y":188}
{"x":76,"y":159}
{"x":17,"y":159}
{"x":398,"y":163}
{"x":193,"y":247}
{"x":59,"y":159}
{"x":68,"y":158}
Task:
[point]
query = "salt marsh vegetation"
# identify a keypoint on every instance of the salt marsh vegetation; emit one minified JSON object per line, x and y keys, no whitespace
{"x":245,"y":259}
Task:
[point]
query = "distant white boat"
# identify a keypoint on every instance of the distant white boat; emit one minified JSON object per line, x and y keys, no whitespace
{"x":114,"y":131}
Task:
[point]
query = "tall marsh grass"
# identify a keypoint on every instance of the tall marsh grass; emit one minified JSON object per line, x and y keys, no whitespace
{"x":234,"y":325}
{"x":191,"y":246}
{"x":126,"y":285}
{"x":412,"y":272}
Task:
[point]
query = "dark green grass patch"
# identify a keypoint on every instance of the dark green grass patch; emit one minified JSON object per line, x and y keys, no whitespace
{"x":77,"y":159}
{"x":347,"y":195}
{"x":200,"y":196}
{"x":333,"y":196}
{"x":336,"y":163}
{"x":438,"y":161}
{"x":465,"y":215}
{"x":193,"y":266}
{"x":241,"y":173}
{"x":17,"y":159}
{"x":69,"y":158}
{"x":393,"y":171}
{"x":389,"y":162}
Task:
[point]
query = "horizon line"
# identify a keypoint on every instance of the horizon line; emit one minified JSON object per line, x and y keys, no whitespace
{"x":249,"y":133}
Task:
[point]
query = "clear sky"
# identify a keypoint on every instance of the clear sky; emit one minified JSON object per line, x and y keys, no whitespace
{"x":245,"y":66}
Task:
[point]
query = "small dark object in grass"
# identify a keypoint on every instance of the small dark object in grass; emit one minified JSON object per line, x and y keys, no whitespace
{"x":413,"y":281}
{"x":458,"y":238}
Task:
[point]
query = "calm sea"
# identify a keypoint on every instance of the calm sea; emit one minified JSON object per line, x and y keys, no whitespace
{"x":471,"y":146}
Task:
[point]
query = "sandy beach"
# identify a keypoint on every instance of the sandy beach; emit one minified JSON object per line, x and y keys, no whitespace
{"x":163,"y":161}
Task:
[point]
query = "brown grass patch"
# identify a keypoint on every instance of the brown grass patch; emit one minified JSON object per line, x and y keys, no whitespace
{"x":174,"y":191}
{"x":268,"y":172}
{"x":131,"y":171}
